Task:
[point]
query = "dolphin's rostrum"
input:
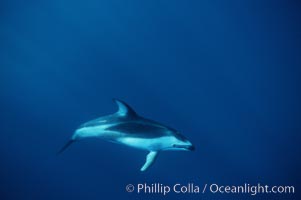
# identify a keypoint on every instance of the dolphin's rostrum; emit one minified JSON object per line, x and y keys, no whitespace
{"x":128,"y":128}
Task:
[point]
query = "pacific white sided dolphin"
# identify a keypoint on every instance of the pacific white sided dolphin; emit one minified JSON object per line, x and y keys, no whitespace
{"x":128,"y":128}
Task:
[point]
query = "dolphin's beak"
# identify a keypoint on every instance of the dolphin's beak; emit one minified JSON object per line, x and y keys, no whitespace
{"x":186,"y":147}
{"x":191,"y":148}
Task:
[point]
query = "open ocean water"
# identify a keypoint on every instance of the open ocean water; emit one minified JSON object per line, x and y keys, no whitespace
{"x":226,"y":74}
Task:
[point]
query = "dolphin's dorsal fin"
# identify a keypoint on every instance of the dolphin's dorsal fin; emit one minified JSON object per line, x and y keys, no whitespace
{"x":150,"y":159}
{"x":124,"y":109}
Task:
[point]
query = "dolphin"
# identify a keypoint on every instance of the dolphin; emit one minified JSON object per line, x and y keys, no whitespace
{"x":128,"y":128}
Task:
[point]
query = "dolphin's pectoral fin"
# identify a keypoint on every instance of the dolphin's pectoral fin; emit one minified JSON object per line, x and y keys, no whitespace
{"x":65,"y":146}
{"x":150,"y":159}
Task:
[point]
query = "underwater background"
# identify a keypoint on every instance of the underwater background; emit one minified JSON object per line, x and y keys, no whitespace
{"x":226,"y":74}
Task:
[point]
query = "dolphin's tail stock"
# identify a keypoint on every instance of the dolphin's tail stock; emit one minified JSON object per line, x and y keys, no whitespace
{"x":65,"y":146}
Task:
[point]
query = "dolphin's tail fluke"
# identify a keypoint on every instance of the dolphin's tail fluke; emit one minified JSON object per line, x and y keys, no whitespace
{"x":65,"y":146}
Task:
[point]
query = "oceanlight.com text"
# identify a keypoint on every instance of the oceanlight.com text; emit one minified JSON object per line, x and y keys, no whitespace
{"x":213,"y":188}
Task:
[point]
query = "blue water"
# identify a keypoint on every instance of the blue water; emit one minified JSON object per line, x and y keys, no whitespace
{"x":226,"y":74}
